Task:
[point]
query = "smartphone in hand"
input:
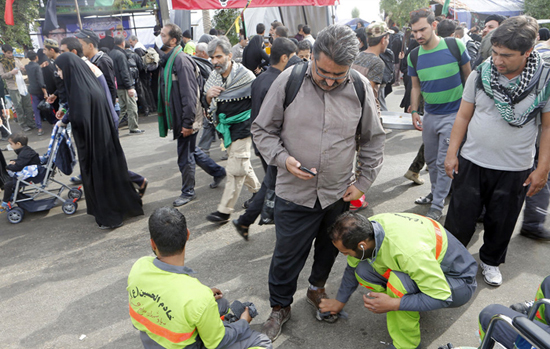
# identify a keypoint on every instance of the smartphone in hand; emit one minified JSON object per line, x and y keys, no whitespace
{"x":307,"y":170}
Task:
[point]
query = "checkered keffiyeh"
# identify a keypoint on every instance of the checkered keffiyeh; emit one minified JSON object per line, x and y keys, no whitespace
{"x":505,"y":97}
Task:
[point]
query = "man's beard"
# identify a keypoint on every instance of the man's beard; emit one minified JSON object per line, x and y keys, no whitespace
{"x":222,"y":68}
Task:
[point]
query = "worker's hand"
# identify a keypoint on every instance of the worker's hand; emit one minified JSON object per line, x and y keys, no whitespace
{"x":537,"y":179}
{"x":60,"y":114}
{"x":293,"y":166}
{"x":401,"y":55}
{"x":14,"y":71}
{"x":380,"y":303}
{"x":217,"y":293}
{"x":46,"y":96}
{"x":451,"y":165}
{"x":44,"y":64}
{"x":186,"y":132}
{"x":214,"y":92}
{"x":61,"y":124}
{"x":352,"y":193}
{"x":257,"y":71}
{"x":417,"y":121}
{"x":12,"y":162}
{"x":131,"y":92}
{"x":51,"y":99}
{"x":331,"y":305}
{"x":246,"y":315}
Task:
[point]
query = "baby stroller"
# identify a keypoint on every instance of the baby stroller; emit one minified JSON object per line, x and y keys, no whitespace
{"x":29,"y":193}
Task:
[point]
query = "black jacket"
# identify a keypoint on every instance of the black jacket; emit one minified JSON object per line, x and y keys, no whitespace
{"x":106,"y":65}
{"x":25,"y":156}
{"x":108,"y":42}
{"x":124,"y":79}
{"x":36,"y":79}
{"x":184,"y":94}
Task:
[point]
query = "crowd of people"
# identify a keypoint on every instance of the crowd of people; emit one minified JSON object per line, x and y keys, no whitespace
{"x":481,"y":103}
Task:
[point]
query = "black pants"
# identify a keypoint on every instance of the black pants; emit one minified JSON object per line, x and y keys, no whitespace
{"x":255,"y":207}
{"x":189,"y":155}
{"x":296,"y":227}
{"x":418,"y":161}
{"x":9,"y":185}
{"x":501,"y":192}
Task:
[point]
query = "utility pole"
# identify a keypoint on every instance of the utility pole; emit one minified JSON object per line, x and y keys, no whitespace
{"x":164,"y":12}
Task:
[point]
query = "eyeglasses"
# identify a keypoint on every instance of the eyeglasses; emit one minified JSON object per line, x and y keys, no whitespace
{"x":328,"y":77}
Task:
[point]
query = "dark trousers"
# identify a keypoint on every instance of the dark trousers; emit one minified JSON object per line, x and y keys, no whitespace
{"x":502,"y":333}
{"x":8,"y":189}
{"x":189,"y":155}
{"x":136,"y":178}
{"x":255,"y":207}
{"x":501,"y":192}
{"x":296,"y":227}
{"x":536,"y":208}
{"x":36,"y":99}
{"x":418,"y":161}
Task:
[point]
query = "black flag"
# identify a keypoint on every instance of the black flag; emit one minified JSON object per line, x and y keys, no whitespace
{"x":51,"y":16}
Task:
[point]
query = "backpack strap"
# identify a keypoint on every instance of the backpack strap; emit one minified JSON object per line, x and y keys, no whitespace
{"x":360,"y":90}
{"x":414,"y":57}
{"x":455,"y":51}
{"x":294,"y":83}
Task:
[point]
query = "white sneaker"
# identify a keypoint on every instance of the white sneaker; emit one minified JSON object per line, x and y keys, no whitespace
{"x":492,"y":275}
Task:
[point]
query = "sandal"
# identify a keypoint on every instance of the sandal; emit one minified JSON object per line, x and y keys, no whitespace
{"x":426,"y":200}
{"x":358,"y":204}
{"x":143,"y":188}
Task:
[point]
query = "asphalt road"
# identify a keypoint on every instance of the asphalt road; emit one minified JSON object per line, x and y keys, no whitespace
{"x":62,"y":278}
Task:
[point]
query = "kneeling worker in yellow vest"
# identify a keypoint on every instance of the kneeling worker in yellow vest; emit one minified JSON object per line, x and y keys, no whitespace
{"x":173,"y":309}
{"x":409,"y":263}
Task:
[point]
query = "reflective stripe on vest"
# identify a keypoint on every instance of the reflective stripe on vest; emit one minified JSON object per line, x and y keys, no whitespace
{"x":438,"y":238}
{"x":159,"y":330}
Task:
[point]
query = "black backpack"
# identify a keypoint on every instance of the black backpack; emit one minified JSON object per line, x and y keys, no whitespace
{"x":388,"y":58}
{"x":453,"y":47}
{"x":296,"y":78}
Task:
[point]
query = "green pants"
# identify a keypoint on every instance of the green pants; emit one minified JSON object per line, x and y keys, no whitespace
{"x":23,"y":108}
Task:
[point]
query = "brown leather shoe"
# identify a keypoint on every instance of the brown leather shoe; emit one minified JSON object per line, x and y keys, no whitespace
{"x":274,"y":324}
{"x":314,"y":298}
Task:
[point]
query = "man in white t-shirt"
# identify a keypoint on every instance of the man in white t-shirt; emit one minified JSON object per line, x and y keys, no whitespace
{"x":501,"y":108}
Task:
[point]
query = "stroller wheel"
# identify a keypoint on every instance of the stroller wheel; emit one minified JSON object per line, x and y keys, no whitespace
{"x":74,"y":193}
{"x":15,"y":215}
{"x":69,"y":207}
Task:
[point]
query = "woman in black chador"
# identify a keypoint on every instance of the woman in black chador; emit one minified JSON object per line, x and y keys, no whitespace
{"x":110,"y":194}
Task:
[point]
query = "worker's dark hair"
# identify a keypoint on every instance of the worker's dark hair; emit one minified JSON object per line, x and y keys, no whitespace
{"x":89,"y":41}
{"x":73,"y":44}
{"x":306,"y":29}
{"x":300,"y":26}
{"x":304,"y":45}
{"x":516,"y":33}
{"x":422,"y":13}
{"x":281,"y":46}
{"x":446,"y":28}
{"x":174,"y":32}
{"x":276,"y":24}
{"x":19,"y":138}
{"x":281,"y":31}
{"x":31,"y":55}
{"x":213,"y":31}
{"x":260,"y":28}
{"x":351,"y":229}
{"x":7,"y":48}
{"x":168,"y":229}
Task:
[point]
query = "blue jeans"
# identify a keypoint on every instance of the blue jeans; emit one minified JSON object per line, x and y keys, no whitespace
{"x":36,"y":99}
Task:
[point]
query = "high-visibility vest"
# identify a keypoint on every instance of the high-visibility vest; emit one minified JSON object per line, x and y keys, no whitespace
{"x":415,"y":245}
{"x":167,"y":306}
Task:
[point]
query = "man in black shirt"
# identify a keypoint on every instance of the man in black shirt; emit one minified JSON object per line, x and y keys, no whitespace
{"x":37,"y":87}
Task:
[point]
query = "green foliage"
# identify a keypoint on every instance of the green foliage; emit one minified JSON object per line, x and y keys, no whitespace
{"x":400,"y":9}
{"x":223,"y":19}
{"x":355,"y":13}
{"x":24,"y":14}
{"x":538,"y":9}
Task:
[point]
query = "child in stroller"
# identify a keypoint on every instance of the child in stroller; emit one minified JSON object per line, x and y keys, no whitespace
{"x":24,"y":167}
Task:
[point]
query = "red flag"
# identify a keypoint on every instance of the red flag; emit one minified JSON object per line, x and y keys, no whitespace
{"x":8,"y":14}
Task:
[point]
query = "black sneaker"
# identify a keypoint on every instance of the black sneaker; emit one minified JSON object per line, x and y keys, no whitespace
{"x":241,"y":229}
{"x":218,"y":217}
{"x":216,"y":182}
{"x":523,"y":307}
{"x":123,"y":122}
{"x":542,"y":234}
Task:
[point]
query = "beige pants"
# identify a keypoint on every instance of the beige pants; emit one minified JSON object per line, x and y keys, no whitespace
{"x":239,"y":171}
